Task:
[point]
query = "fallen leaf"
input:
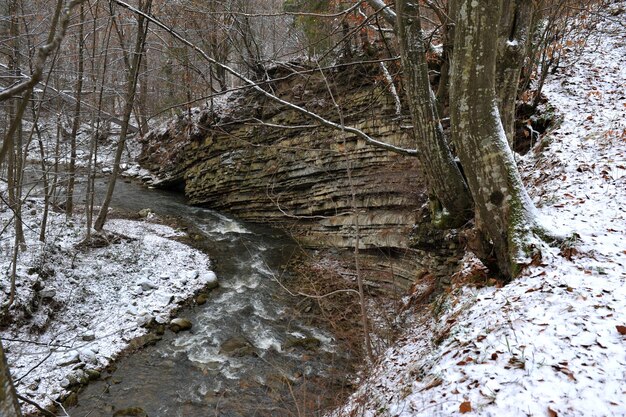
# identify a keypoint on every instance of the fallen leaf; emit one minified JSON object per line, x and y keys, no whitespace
{"x":465,"y":407}
{"x":621,"y":330}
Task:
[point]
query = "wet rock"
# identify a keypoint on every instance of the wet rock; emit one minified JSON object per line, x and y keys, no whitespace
{"x":201,"y":299}
{"x":159,"y":330}
{"x":145,"y":212}
{"x":131,"y":412}
{"x":92,"y":374}
{"x":307,"y":343}
{"x":210,"y":280}
{"x":148,"y":339}
{"x":71,"y":400}
{"x":82,"y":377}
{"x":180,"y":324}
{"x":76,"y":377}
{"x":144,"y":320}
{"x":237,"y":346}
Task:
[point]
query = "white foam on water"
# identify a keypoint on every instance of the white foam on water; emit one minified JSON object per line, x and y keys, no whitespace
{"x":264,"y":338}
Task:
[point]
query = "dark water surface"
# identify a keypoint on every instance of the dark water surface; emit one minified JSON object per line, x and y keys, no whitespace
{"x":189,"y":374}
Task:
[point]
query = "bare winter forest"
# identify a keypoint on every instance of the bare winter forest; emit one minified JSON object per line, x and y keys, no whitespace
{"x":307,"y":208}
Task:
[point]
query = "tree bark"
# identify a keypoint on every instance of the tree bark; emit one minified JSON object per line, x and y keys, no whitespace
{"x":443,"y":89}
{"x":513,"y":40}
{"x":9,"y":406}
{"x":505,"y":213}
{"x":69,"y":205}
{"x":444,"y":177}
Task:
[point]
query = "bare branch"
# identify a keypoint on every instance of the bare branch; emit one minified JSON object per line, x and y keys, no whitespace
{"x":54,"y":40}
{"x":384,"y":9}
{"x":357,"y":132}
{"x":36,"y":405}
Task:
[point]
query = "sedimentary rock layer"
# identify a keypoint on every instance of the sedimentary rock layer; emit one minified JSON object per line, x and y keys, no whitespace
{"x":264,"y":162}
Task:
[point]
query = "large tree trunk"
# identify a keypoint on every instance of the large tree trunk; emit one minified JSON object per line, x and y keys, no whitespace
{"x":515,"y":22}
{"x":444,"y":177}
{"x":8,"y":400}
{"x":504,"y":211}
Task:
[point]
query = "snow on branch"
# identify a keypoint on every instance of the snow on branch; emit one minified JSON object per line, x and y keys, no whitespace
{"x":384,"y":9}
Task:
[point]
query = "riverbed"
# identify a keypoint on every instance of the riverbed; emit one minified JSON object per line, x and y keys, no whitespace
{"x":249,"y":351}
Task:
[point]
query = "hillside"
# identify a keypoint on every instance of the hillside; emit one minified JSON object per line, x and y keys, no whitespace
{"x":552,"y":342}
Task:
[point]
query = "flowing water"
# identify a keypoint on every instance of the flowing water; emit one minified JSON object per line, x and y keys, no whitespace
{"x":193,"y":373}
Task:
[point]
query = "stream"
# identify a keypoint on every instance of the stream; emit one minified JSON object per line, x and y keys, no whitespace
{"x":246,"y":353}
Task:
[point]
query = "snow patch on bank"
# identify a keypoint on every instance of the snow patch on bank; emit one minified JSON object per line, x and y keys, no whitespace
{"x":90,"y":300}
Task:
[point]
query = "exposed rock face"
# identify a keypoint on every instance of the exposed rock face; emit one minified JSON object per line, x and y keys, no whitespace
{"x":303,"y":175}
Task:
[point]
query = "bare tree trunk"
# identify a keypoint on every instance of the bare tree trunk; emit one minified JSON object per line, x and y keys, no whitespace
{"x":142,"y":104}
{"x":513,"y":39}
{"x":14,"y":134}
{"x":96,"y":118}
{"x":505,"y":213}
{"x":69,"y":206}
{"x":444,"y":177}
{"x":142,"y":29}
{"x":9,"y":406}
{"x":443,"y":90}
{"x":46,"y":187}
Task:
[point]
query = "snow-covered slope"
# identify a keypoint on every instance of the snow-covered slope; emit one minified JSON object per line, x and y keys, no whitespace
{"x":553,"y":342}
{"x":89,"y":301}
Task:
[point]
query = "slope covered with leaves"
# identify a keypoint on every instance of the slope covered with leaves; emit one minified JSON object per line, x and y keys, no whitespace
{"x":553,"y":342}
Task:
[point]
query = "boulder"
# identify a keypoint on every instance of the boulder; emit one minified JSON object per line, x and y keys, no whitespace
{"x":180,"y":324}
{"x":237,"y":346}
{"x":145,"y":213}
{"x":306,"y":343}
{"x":201,"y":299}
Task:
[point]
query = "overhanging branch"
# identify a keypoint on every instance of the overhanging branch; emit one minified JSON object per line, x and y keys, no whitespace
{"x":357,"y":132}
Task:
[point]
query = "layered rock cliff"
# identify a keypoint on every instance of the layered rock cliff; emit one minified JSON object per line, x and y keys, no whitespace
{"x":264,"y":162}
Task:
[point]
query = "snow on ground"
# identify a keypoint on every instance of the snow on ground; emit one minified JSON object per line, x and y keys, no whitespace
{"x":90,"y":301}
{"x":50,"y":127}
{"x":551,"y":343}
